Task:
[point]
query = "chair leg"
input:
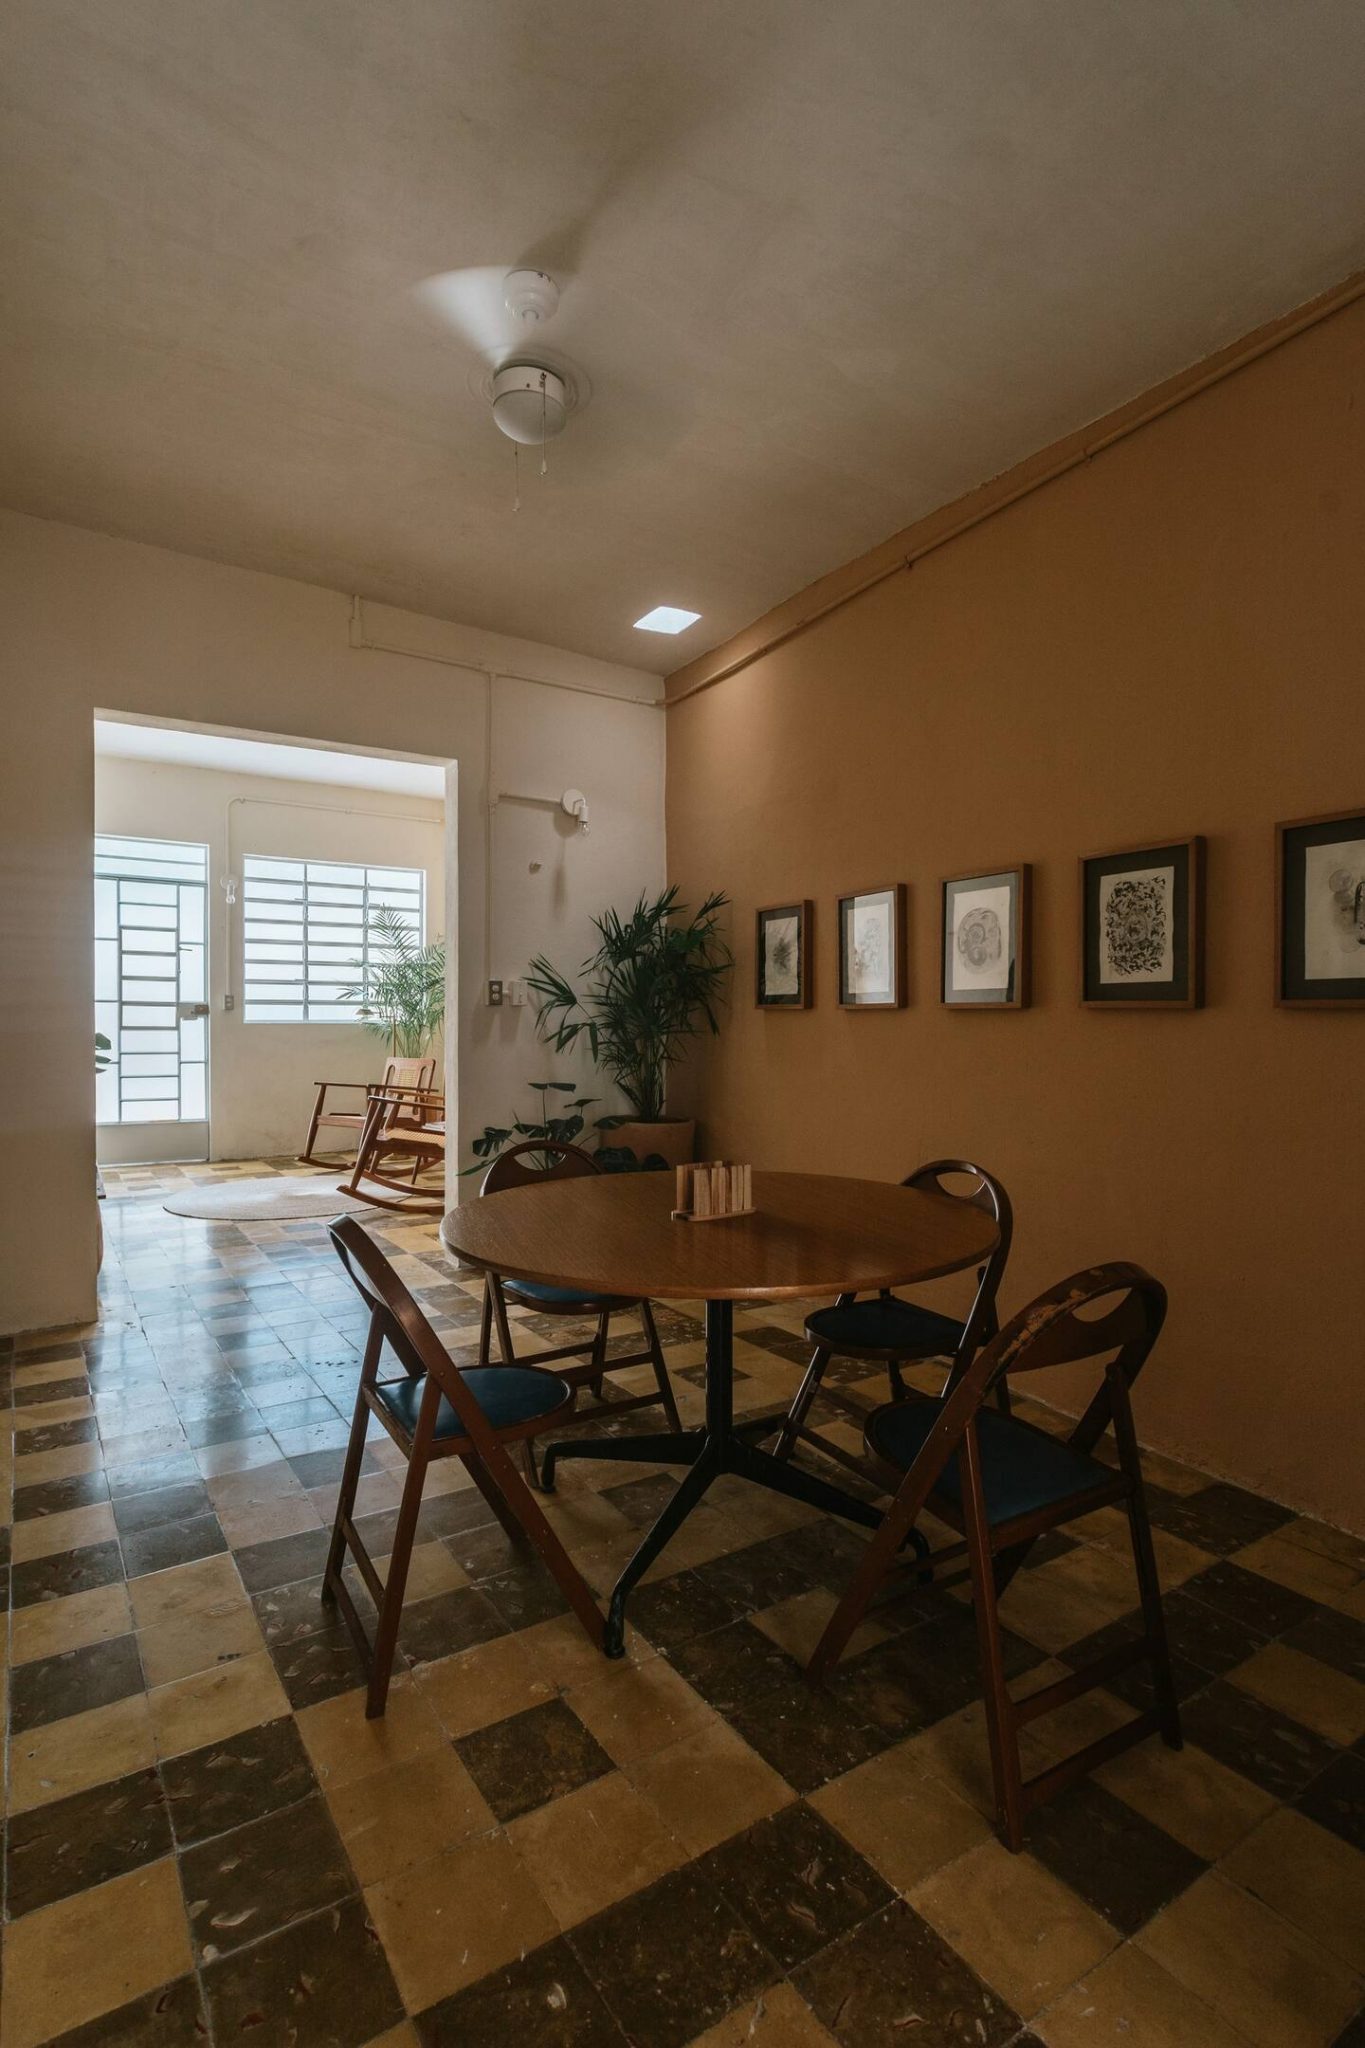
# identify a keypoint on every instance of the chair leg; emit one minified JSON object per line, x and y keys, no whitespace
{"x":507,"y":1355}
{"x":350,"y":1471}
{"x":527,"y":1509}
{"x":661,"y":1379}
{"x":1144,"y":1564}
{"x":599,"y":1354}
{"x":400,"y":1557}
{"x":800,"y":1407}
{"x":306,"y":1156}
{"x":1001,"y":1728}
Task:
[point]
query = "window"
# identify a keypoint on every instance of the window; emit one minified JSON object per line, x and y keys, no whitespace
{"x":307,"y":937}
{"x":150,"y":957}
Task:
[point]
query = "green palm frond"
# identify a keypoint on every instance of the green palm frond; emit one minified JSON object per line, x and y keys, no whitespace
{"x":401,"y":995}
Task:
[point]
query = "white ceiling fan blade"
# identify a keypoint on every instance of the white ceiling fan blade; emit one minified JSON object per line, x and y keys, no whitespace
{"x":471,"y":303}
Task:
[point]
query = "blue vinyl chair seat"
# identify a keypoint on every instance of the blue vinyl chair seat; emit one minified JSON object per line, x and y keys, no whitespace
{"x":1022,"y":1468}
{"x":563,"y":1297}
{"x":885,"y":1323}
{"x":507,"y":1394}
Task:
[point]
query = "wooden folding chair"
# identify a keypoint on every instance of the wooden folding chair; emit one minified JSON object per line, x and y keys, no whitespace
{"x":397,"y":1074}
{"x":401,"y":1124}
{"x":886,"y":1330}
{"x":433,"y":1409}
{"x":1002,"y":1483}
{"x":540,"y":1159}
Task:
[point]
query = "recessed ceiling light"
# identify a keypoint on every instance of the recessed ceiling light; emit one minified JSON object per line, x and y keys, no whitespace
{"x":667,"y":618}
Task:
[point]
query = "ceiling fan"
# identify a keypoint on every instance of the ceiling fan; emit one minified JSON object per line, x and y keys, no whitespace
{"x":500,"y":315}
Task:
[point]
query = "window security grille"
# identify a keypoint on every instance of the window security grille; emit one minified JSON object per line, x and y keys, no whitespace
{"x":307,"y":937}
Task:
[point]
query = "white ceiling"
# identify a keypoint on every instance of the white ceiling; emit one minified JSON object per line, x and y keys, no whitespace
{"x":827,"y":266}
{"x":175,"y":746}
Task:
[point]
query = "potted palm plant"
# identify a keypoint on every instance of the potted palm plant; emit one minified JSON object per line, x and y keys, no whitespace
{"x":401,"y":996}
{"x":654,"y":981}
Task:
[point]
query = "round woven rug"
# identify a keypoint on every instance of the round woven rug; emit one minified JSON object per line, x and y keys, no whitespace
{"x":273,"y":1198}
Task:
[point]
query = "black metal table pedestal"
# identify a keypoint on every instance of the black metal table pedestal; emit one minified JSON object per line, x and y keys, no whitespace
{"x":707,"y":1452}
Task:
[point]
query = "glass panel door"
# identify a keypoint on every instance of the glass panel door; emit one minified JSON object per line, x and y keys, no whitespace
{"x":151,"y":995}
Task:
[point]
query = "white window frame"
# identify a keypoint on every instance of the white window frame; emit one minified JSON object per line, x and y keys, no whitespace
{"x":264,"y":878}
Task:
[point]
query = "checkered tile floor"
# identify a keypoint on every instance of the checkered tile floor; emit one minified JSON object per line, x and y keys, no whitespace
{"x":205,"y":1840}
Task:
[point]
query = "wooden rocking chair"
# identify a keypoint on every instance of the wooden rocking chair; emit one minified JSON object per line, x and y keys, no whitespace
{"x":401,"y":1125}
{"x":397,"y":1074}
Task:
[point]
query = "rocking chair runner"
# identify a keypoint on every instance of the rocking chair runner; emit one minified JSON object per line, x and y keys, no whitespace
{"x":398,"y":1073}
{"x":1002,"y":1483}
{"x":436,"y":1410}
{"x":400,"y":1124}
{"x":520,"y":1166}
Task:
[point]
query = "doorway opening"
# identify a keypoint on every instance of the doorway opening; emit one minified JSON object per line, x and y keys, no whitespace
{"x":248,"y":889}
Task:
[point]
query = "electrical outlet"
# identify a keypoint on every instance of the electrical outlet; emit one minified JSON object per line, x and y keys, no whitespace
{"x":229,"y":1001}
{"x":495,"y":995}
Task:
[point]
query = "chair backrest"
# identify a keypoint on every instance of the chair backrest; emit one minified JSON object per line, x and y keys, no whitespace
{"x":409,"y":1073}
{"x":536,"y":1159}
{"x":1053,"y":1331}
{"x":396,"y":1319}
{"x":984,"y":1192}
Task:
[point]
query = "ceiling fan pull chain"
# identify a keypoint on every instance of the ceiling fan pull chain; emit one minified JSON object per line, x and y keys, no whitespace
{"x":516,"y":475}
{"x":542,"y":423}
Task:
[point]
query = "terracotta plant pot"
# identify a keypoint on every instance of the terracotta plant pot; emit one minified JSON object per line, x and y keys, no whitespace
{"x":671,"y":1139}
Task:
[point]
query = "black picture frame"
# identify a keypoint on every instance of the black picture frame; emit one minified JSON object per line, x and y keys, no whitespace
{"x":1306,"y":909}
{"x":1163,"y":885}
{"x":799,"y":996}
{"x":889,"y":904}
{"x":967,"y":980}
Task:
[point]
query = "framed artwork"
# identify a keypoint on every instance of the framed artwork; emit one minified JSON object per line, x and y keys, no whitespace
{"x":1320,"y":912}
{"x":872,"y":963}
{"x":1142,"y":935}
{"x":986,"y":939}
{"x":782,"y":957}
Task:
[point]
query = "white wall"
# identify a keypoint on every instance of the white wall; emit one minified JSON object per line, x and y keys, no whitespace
{"x":261,"y":1075}
{"x":95,"y":623}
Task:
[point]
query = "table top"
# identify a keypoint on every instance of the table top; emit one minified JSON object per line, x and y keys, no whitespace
{"x":809,"y":1234}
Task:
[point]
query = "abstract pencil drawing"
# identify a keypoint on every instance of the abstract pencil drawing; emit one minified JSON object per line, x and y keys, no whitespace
{"x":980,"y":940}
{"x":782,"y":961}
{"x":1334,"y":911}
{"x":1136,"y":931}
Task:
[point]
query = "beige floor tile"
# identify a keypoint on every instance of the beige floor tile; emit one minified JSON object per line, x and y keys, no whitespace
{"x":285,"y":1516}
{"x":431,"y":1570}
{"x":796,"y":1625}
{"x":1176,"y":1560}
{"x":214,"y":1460}
{"x":1300,"y":1568}
{"x":89,"y":1953}
{"x":593,"y":1847}
{"x":956,"y":1751}
{"x":87,"y":1749}
{"x":1260,"y":1975}
{"x":1129,"y":2002}
{"x":196,"y":1642}
{"x":1019,"y":1927}
{"x":345,"y":1747}
{"x":636,"y":1709}
{"x":255,"y":1486}
{"x":487,"y":1683}
{"x":1189,"y":1793}
{"x":1309,"y":1877}
{"x":186,"y":1589}
{"x":51,"y":1369}
{"x":906,"y":1823}
{"x":48,"y":1627}
{"x":1322,"y":1537}
{"x":562,"y":1653}
{"x":407,"y":1813}
{"x":397,"y":2037}
{"x":709,"y":1786}
{"x":1053,"y":1613}
{"x":447,"y":1922}
{"x":43,"y":1414}
{"x":1306,"y":1689}
{"x":777,"y":2019}
{"x":215,"y":1704}
{"x":68,"y":1462}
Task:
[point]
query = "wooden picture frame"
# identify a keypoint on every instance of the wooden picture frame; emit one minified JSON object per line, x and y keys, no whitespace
{"x":873,"y":967}
{"x":779,"y":984}
{"x":986,"y":939}
{"x":1142,"y":927}
{"x":1320,"y":911}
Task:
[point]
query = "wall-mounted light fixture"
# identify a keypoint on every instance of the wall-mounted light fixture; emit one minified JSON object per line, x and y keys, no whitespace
{"x":575,"y":804}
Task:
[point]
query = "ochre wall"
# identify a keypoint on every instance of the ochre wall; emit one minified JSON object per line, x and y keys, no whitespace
{"x":1169,"y":639}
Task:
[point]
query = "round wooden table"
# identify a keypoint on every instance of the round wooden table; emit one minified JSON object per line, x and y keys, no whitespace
{"x":811,"y":1234}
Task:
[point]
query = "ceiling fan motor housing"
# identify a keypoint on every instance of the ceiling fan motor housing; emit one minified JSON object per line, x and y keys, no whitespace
{"x":530,"y":403}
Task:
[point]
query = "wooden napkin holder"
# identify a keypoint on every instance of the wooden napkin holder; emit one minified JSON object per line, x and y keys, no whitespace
{"x":712,"y":1190}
